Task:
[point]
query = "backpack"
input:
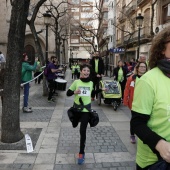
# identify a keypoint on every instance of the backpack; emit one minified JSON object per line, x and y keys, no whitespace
{"x":46,"y":70}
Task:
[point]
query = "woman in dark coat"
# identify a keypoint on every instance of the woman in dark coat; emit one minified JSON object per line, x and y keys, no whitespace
{"x":120,"y":75}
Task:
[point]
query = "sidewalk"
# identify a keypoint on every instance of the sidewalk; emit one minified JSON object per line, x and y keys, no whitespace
{"x":56,"y":143}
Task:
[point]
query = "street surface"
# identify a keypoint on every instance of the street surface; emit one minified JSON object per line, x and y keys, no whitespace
{"x":56,"y":143}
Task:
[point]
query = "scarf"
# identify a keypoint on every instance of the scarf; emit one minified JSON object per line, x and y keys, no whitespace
{"x":85,"y":79}
{"x":164,"y":66}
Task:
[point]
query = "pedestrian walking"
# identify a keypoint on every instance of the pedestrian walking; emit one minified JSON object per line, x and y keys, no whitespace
{"x":151,"y":107}
{"x":82,"y":89}
{"x":27,"y":76}
{"x":38,"y":71}
{"x":51,"y":76}
{"x":120,"y":75}
{"x":97,"y":71}
{"x":140,"y":69}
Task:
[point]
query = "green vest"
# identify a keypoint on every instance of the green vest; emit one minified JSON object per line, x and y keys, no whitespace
{"x":86,"y":89}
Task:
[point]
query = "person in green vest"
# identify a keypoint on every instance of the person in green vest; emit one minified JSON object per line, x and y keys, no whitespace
{"x":72,"y":70}
{"x":38,"y":71}
{"x":119,"y":75}
{"x":82,"y":89}
{"x":97,"y":71}
{"x":151,"y":106}
{"x":78,"y":70}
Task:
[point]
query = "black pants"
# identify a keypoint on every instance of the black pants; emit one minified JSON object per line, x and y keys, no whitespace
{"x":84,"y":119}
{"x":96,"y":81}
{"x":39,"y":78}
{"x":122,"y":84}
{"x":51,"y":87}
{"x":131,"y":130}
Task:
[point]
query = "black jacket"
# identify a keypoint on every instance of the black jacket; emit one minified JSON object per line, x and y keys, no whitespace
{"x":100,"y":67}
{"x":115,"y":73}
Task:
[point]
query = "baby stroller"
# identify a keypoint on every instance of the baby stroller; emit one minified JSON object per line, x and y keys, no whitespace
{"x":112,"y":95}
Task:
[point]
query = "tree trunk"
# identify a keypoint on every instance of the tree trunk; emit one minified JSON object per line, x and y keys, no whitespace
{"x":40,"y":54}
{"x":10,"y":111}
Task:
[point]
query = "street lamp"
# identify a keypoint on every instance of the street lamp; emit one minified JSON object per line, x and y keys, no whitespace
{"x":139,"y":21}
{"x":107,"y":42}
{"x":47,"y":21}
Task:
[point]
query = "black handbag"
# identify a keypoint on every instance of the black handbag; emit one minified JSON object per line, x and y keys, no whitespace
{"x":160,"y":165}
{"x":94,"y":118}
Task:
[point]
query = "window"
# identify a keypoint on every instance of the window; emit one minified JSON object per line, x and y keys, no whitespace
{"x":86,"y":15}
{"x":165,"y":14}
{"x":88,"y":48}
{"x":105,"y":16}
{"x":86,"y":9}
{"x":74,"y":40}
{"x":86,"y":0}
{"x":75,"y":48}
{"x":75,"y":1}
{"x":76,"y":17}
{"x":74,"y":9}
{"x":87,"y":39}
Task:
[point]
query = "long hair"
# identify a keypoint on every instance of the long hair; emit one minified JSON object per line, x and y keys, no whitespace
{"x":158,"y":46}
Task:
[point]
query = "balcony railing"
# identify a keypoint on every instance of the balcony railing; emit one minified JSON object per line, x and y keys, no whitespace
{"x":139,"y":2}
{"x":144,"y":34}
{"x":131,"y":7}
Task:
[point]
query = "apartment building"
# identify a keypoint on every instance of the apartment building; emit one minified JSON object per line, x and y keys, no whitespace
{"x":156,"y":17}
{"x":81,"y":25}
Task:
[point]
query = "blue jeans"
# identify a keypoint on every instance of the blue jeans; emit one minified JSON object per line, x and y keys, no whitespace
{"x":26,"y":94}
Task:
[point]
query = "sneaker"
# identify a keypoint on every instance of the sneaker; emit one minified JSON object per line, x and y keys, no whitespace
{"x":80,"y":159}
{"x":27,"y":110}
{"x":51,"y":100}
{"x":132,"y":139}
{"x":92,"y":99}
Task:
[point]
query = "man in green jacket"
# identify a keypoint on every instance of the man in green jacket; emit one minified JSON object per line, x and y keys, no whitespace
{"x":26,"y":77}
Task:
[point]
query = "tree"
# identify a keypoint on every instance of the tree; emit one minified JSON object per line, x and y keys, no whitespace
{"x":58,"y":12}
{"x":31,"y":24}
{"x":10,"y":111}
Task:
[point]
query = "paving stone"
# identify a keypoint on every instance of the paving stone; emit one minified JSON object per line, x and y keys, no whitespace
{"x":71,"y":136}
{"x":21,"y":145}
{"x":39,"y":115}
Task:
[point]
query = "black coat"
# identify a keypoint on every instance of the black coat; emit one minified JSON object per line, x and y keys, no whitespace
{"x":115,"y":73}
{"x":100,"y":67}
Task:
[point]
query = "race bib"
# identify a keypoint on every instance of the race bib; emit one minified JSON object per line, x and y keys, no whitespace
{"x":85,"y":91}
{"x":132,"y":84}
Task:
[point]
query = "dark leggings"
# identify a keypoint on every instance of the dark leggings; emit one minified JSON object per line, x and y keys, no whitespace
{"x":84,"y":119}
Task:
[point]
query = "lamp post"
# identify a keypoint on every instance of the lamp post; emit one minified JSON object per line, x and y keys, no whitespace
{"x":107,"y":42}
{"x":47,"y":21}
{"x":139,"y":21}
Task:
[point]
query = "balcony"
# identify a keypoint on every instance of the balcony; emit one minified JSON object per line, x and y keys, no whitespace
{"x":118,"y":42}
{"x":131,"y":7}
{"x":121,"y":17}
{"x":144,"y":37}
{"x":140,"y":2}
{"x":104,"y":23}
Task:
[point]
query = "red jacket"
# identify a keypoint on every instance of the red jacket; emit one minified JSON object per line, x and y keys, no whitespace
{"x":129,"y":91}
